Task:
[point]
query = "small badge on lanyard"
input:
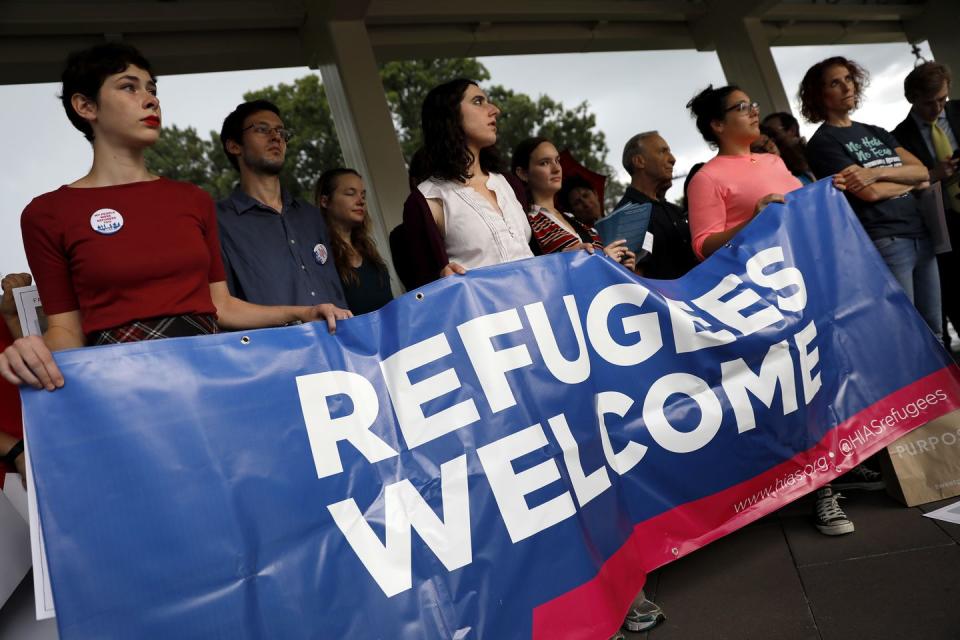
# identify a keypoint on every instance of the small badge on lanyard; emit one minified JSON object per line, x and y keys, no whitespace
{"x":106,"y":221}
{"x":320,"y":254}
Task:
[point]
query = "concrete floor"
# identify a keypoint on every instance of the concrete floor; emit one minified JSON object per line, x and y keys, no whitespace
{"x":896,"y":576}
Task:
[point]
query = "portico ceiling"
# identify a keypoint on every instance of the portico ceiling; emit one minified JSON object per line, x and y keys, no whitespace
{"x":184,"y":36}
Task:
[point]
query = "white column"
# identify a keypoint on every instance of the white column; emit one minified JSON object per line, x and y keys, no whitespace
{"x":746,"y":60}
{"x":736,"y":32}
{"x":342,"y":50}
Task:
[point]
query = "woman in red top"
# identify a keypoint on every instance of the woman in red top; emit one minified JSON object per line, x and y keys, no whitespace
{"x":121,"y":254}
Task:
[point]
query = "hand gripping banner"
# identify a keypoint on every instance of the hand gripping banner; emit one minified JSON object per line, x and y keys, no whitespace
{"x":500,"y":455}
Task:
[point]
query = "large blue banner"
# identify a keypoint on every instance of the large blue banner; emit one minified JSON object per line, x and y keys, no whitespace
{"x":499,"y":455}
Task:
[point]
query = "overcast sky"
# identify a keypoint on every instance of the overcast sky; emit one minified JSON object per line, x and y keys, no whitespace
{"x":629,"y":92}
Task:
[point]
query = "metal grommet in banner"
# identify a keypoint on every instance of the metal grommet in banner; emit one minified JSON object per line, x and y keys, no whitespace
{"x":245,"y":340}
{"x":419,"y":295}
{"x":675,"y":551}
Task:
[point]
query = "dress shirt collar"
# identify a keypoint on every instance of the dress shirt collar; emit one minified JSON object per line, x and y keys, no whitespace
{"x":243,"y":202}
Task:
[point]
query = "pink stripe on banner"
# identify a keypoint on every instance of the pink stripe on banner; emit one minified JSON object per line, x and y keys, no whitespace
{"x":595,"y":609}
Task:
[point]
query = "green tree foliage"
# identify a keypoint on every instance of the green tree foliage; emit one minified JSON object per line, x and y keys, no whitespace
{"x":181,"y":154}
{"x":523,"y":117}
{"x":314,"y":147}
{"x":406,"y":83}
{"x":573,"y":129}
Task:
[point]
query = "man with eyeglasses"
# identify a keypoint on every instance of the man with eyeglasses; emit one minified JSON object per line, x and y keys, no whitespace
{"x":930,"y":132}
{"x":276,"y":248}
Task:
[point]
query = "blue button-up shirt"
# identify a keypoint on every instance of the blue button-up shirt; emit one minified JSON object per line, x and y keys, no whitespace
{"x":277,"y":259}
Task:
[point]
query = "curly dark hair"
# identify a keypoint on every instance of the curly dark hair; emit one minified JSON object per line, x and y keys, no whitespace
{"x":85,"y":71}
{"x":446,"y":156}
{"x":812,"y":106}
{"x":709,"y":105}
{"x":359,"y":236}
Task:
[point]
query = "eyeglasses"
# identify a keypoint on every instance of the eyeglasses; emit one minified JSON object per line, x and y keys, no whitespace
{"x":267,"y":130}
{"x":741,"y":106}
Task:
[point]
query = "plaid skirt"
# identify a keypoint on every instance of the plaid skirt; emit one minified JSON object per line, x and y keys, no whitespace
{"x":155,"y":329}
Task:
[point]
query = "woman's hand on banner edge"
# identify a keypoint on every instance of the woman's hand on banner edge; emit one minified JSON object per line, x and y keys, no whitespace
{"x":452,"y":268}
{"x":767,"y":199}
{"x":29,"y":361}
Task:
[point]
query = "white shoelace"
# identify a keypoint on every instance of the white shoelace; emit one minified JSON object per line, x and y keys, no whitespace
{"x":828,"y":509}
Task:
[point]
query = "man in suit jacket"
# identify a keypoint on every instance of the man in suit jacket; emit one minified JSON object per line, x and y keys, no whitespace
{"x":931,"y":131}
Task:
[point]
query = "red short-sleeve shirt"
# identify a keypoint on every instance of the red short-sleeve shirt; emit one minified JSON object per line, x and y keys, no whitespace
{"x":123,"y":253}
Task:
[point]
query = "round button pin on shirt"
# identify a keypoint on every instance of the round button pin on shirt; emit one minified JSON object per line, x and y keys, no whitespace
{"x":320,"y":254}
{"x":106,"y":221}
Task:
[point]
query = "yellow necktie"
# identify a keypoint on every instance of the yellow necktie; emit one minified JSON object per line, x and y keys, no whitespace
{"x":943,"y":150}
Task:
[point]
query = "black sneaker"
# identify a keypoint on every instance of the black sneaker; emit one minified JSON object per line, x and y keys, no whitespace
{"x":829,"y":517}
{"x":860,"y":477}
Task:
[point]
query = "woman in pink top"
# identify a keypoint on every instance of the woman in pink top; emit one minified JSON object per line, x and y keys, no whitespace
{"x":734,"y":186}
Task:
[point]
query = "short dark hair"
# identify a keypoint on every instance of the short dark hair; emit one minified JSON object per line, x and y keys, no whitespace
{"x":709,"y":105}
{"x":787,"y":121}
{"x":768,"y":131}
{"x":925,"y":80}
{"x":85,"y":71}
{"x":769,"y":134}
{"x":812,"y":107}
{"x":232,"y":128}
{"x":569,"y":184}
{"x":634,"y":147}
{"x":446,"y":156}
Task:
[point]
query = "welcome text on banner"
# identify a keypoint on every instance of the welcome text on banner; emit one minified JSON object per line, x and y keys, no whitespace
{"x":501,"y":455}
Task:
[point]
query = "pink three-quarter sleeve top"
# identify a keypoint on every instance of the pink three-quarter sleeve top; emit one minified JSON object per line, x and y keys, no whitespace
{"x":725,"y":192}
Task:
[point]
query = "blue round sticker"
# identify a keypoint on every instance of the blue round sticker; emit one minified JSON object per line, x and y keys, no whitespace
{"x":320,"y":254}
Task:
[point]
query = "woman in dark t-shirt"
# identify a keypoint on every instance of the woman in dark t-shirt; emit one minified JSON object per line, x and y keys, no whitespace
{"x":879,"y":177}
{"x":342,"y":199}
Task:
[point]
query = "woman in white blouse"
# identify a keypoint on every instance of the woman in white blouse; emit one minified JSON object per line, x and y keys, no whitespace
{"x":467,"y":214}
